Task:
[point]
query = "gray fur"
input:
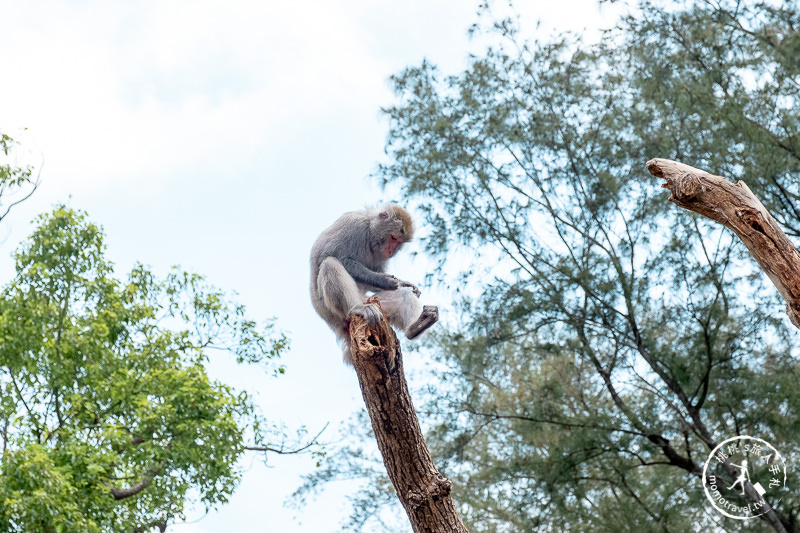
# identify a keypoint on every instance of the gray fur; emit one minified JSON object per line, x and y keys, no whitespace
{"x":347,"y":261}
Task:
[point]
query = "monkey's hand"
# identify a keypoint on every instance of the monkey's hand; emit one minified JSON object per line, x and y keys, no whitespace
{"x":392,"y":283}
{"x":370,"y":312}
{"x":413,"y":287}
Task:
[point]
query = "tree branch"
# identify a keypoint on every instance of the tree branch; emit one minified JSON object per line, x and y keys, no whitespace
{"x":422,"y":490}
{"x":283,"y":450}
{"x":736,"y":207}
{"x":133,"y":490}
{"x":35,"y":185}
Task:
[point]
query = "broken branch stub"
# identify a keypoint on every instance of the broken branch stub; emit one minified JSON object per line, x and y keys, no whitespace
{"x":736,"y":207}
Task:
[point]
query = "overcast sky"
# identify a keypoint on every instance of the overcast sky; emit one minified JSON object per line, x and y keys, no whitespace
{"x":223,"y":137}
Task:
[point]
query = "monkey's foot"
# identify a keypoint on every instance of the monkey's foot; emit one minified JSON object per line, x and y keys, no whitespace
{"x":429,"y":316}
{"x":370,"y":312}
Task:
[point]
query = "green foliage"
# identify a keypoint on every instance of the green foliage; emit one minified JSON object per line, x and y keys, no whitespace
{"x":109,"y":419}
{"x":609,"y":340}
{"x":9,"y":174}
{"x":17,"y":183}
{"x":720,"y":83}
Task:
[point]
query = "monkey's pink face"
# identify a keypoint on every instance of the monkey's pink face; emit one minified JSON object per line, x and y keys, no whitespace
{"x":390,"y":248}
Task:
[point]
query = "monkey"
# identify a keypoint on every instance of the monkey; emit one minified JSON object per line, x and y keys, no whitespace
{"x":349,"y":259}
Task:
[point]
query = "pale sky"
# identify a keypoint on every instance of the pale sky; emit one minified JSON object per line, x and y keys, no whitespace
{"x":223,"y":137}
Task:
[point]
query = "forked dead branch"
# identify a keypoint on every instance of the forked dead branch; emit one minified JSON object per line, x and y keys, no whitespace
{"x":736,"y":207}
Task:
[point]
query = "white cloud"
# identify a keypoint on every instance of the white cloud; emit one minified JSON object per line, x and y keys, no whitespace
{"x":173,"y":86}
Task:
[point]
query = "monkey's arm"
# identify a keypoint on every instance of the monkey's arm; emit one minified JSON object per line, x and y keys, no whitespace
{"x":370,"y":279}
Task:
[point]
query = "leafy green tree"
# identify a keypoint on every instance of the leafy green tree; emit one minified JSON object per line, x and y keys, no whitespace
{"x":607,"y":340}
{"x":109,"y":420}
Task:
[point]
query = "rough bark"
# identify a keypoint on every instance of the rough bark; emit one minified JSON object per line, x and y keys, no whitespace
{"x":423,"y":491}
{"x":736,"y":207}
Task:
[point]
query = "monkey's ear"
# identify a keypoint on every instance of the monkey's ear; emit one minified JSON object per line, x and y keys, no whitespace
{"x":384,"y":215}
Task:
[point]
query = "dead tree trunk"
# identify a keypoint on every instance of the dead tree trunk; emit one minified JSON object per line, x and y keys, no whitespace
{"x":736,"y":207}
{"x":423,"y":491}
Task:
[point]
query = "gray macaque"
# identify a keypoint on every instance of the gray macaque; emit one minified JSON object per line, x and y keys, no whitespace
{"x":349,"y":259}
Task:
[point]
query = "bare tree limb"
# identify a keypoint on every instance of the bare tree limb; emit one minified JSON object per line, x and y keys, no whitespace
{"x":283,"y":450}
{"x":422,"y":490}
{"x":736,"y":207}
